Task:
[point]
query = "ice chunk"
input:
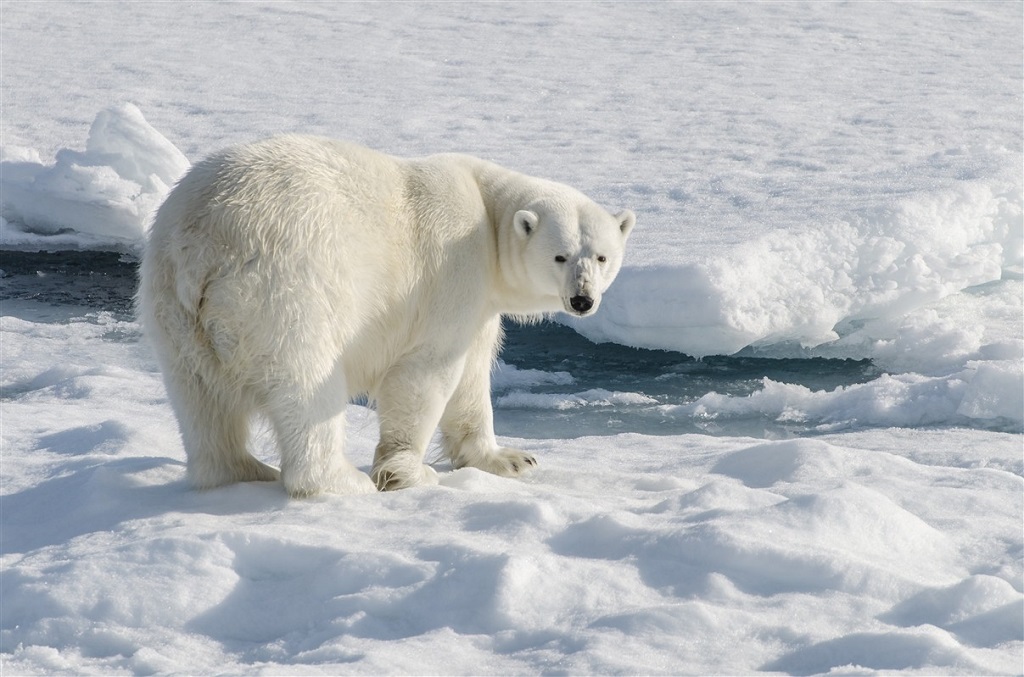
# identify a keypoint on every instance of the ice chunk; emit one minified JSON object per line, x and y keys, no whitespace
{"x":107,"y":192}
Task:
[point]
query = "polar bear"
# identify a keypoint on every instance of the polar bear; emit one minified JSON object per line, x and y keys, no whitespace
{"x":289,"y":275}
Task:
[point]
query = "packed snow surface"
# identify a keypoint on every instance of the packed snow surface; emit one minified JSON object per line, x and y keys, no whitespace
{"x":811,"y":180}
{"x":884,"y":549}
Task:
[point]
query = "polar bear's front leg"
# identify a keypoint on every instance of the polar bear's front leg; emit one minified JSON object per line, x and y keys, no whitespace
{"x":467,"y":424}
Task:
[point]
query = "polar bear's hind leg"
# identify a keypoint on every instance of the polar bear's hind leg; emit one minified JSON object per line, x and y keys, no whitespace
{"x":309,"y":423}
{"x":215,"y":429}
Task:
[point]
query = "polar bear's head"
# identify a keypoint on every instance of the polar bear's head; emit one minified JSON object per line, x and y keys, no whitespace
{"x":568,"y":252}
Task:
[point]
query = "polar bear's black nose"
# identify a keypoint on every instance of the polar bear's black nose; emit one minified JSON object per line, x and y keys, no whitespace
{"x":581,"y":304}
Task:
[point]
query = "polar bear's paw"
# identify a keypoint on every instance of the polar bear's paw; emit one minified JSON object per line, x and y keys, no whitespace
{"x":401,"y":471}
{"x":208,"y":473}
{"x":506,"y":462}
{"x":354,"y":482}
{"x":348,"y":481}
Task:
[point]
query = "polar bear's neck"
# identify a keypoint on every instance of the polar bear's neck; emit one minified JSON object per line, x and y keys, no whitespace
{"x":502,"y":190}
{"x":505,"y":191}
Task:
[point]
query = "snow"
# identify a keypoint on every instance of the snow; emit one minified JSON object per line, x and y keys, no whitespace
{"x":631,"y":553}
{"x":106,"y":193}
{"x":804,"y":284}
{"x":986,"y":394}
{"x":811,"y":180}
{"x":595,"y":397}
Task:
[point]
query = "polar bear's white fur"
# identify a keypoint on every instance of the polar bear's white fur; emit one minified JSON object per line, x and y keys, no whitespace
{"x":289,"y":275}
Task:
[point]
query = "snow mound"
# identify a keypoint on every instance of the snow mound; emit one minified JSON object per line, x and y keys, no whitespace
{"x":986,"y":394}
{"x":812,"y":285}
{"x":102,"y":195}
{"x":981,"y":610}
{"x":595,"y":397}
{"x":508,"y":376}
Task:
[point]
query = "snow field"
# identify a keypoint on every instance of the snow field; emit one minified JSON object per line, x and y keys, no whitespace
{"x":629,"y":553}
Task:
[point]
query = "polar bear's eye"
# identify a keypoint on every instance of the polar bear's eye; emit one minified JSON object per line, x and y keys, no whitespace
{"x":601,"y":259}
{"x":560,"y":259}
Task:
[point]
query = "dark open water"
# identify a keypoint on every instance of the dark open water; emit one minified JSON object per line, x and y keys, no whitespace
{"x":66,"y":285}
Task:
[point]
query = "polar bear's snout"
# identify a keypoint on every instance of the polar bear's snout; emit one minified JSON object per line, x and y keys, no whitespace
{"x":581,"y":298}
{"x":581,"y":303}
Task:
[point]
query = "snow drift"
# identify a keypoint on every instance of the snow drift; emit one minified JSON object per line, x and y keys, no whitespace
{"x":632,"y":553}
{"x":808,"y":285}
{"x":103,"y":196}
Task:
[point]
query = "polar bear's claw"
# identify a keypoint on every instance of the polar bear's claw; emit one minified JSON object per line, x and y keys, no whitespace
{"x":402,"y":471}
{"x":510,"y":463}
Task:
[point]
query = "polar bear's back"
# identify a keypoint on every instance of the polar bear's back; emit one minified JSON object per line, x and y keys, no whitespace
{"x":288,"y":207}
{"x":308,"y":187}
{"x":289,"y":232}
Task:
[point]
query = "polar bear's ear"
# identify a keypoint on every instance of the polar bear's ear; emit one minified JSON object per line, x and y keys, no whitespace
{"x":627,"y":220}
{"x":524,"y":222}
